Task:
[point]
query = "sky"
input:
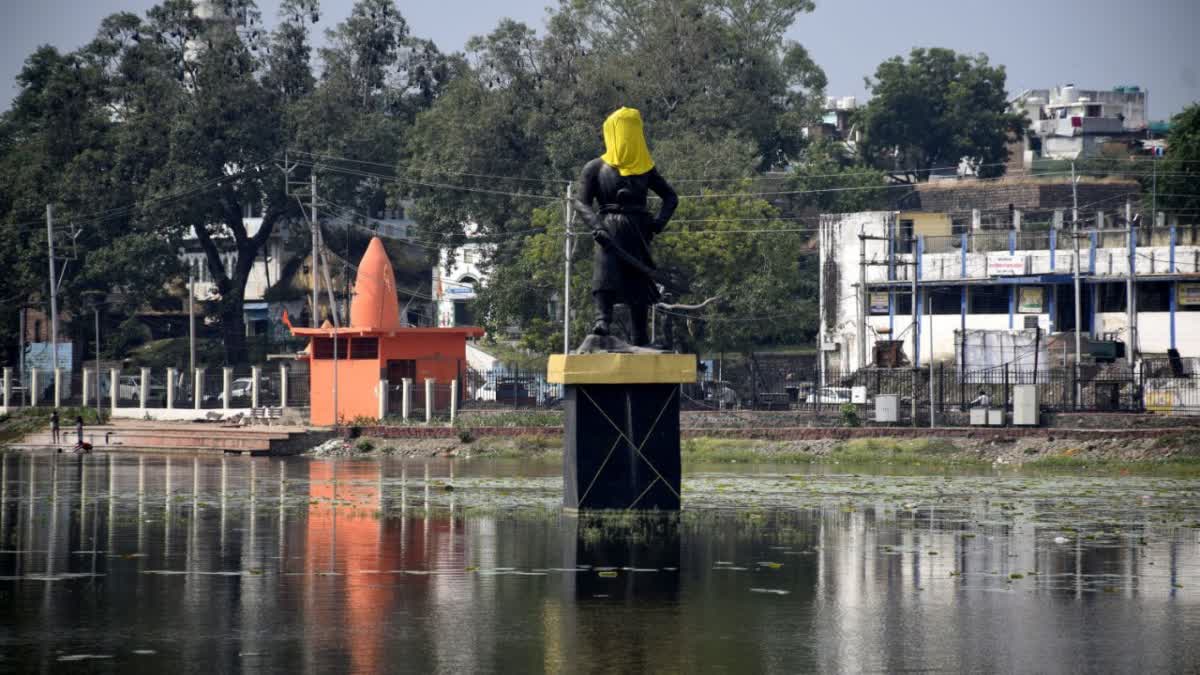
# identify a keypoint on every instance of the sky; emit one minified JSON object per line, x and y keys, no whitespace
{"x":1094,"y":44}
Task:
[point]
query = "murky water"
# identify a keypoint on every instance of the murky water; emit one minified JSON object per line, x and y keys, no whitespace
{"x":214,"y":565}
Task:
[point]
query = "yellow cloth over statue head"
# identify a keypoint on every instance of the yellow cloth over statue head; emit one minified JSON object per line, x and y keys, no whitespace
{"x":625,"y":144}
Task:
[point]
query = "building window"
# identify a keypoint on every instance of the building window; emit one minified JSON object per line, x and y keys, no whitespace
{"x":37,"y":331}
{"x":1112,"y":297}
{"x":364,"y":348}
{"x":904,"y":238}
{"x":322,"y":348}
{"x":989,"y":299}
{"x":946,"y":300}
{"x":1154,"y":296}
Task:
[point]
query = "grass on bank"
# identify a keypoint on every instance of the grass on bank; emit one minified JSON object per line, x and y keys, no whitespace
{"x":858,"y":451}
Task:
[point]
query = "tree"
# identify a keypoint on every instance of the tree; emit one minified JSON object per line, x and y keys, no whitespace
{"x":1179,"y":182}
{"x":936,"y":109}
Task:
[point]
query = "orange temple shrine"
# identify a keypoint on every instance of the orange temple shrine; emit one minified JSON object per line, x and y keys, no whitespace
{"x":375,"y":354}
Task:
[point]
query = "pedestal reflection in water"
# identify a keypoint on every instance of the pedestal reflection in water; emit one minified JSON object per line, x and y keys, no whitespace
{"x":203,"y":565}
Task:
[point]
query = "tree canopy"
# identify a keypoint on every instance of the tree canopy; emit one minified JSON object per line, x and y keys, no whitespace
{"x":936,"y":109}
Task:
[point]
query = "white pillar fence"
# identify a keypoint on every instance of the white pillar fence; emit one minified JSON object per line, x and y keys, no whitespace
{"x":406,"y":398}
{"x":428,"y":400}
{"x":141,"y":392}
{"x":143,"y":388}
{"x":172,"y":377}
{"x":255,"y":375}
{"x":382,"y":392}
{"x":226,"y":386}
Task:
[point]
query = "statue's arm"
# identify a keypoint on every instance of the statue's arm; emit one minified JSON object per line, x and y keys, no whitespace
{"x":670,"y":200}
{"x":585,"y":194}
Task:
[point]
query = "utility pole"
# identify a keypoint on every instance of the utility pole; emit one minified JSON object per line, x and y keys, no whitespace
{"x":336,"y":329}
{"x":916,"y":336}
{"x":929,"y":313}
{"x":192,"y":328}
{"x":864,"y":300}
{"x":1131,"y":286}
{"x":1154,"y":192}
{"x":567,"y":278}
{"x":1076,"y":266}
{"x":53,"y":287}
{"x":315,"y":245}
{"x":96,"y":316}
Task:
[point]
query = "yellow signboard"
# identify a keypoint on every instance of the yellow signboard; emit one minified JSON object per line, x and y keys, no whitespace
{"x":1189,"y":294}
{"x":1031,"y":300}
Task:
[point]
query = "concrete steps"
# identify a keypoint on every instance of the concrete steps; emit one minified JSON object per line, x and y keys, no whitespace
{"x":182,"y":438}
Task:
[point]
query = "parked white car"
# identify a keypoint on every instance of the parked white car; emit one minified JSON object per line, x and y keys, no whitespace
{"x":238,"y":388}
{"x":830,"y":396}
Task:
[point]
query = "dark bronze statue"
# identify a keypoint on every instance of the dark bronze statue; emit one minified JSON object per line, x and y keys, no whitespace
{"x":619,"y":181}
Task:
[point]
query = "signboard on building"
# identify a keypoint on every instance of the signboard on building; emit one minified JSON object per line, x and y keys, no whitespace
{"x":1005,"y":265}
{"x":39,"y":355}
{"x":1189,"y":295}
{"x":1031,"y":299}
{"x":879,"y":303}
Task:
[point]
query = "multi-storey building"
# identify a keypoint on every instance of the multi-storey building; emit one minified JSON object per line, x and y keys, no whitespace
{"x":1007,"y":269}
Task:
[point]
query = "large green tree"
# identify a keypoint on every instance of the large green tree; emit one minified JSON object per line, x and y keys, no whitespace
{"x":1179,"y":183}
{"x":936,"y":109}
{"x":724,"y":97}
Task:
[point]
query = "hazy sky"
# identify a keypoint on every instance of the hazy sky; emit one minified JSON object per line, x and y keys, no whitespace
{"x":1095,"y":44}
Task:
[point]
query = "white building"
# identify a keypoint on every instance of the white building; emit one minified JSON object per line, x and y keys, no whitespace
{"x":1067,"y":123}
{"x":1003,"y":280}
{"x":458,"y":274}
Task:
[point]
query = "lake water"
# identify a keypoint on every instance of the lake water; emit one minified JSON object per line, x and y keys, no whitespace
{"x":155,"y":564}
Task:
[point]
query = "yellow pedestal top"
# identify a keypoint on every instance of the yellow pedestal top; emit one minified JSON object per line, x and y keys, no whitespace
{"x":621,"y":369}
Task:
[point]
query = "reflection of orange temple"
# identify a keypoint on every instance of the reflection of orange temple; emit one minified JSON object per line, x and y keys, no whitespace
{"x":376,"y":347}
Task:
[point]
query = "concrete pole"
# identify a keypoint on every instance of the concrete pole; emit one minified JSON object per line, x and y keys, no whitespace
{"x":316,"y":320}
{"x":863,"y":301}
{"x":53,"y":288}
{"x":383,"y":396}
{"x":7,"y":387}
{"x":144,"y":387}
{"x":226,"y":386}
{"x":57,"y":386}
{"x":453,"y":400}
{"x":87,"y":386}
{"x":255,"y":374}
{"x":428,"y":400}
{"x":191,"y":325}
{"x":1131,"y":286}
{"x":1076,"y":265}
{"x":283,"y":385}
{"x":567,"y":278}
{"x":197,"y":388}
{"x":35,"y":387}
{"x":1018,"y":217}
{"x":114,"y":388}
{"x":172,"y":379}
{"x":406,"y":398}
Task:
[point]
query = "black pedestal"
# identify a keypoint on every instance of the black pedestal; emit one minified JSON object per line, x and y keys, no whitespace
{"x":622,"y":447}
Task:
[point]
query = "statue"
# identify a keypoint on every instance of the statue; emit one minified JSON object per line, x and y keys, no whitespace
{"x":623,"y":271}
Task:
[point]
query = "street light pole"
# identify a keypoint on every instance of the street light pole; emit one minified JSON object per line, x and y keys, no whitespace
{"x":53,"y":287}
{"x":96,"y":316}
{"x":192,"y":328}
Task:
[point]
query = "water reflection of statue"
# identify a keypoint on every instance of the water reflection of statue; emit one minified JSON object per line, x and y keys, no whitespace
{"x":619,"y":181}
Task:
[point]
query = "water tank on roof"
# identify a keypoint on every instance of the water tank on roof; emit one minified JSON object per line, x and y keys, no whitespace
{"x":1069,"y":94}
{"x":848,"y":103}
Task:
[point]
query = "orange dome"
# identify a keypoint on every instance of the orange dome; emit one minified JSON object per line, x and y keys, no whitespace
{"x":375,"y":306}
